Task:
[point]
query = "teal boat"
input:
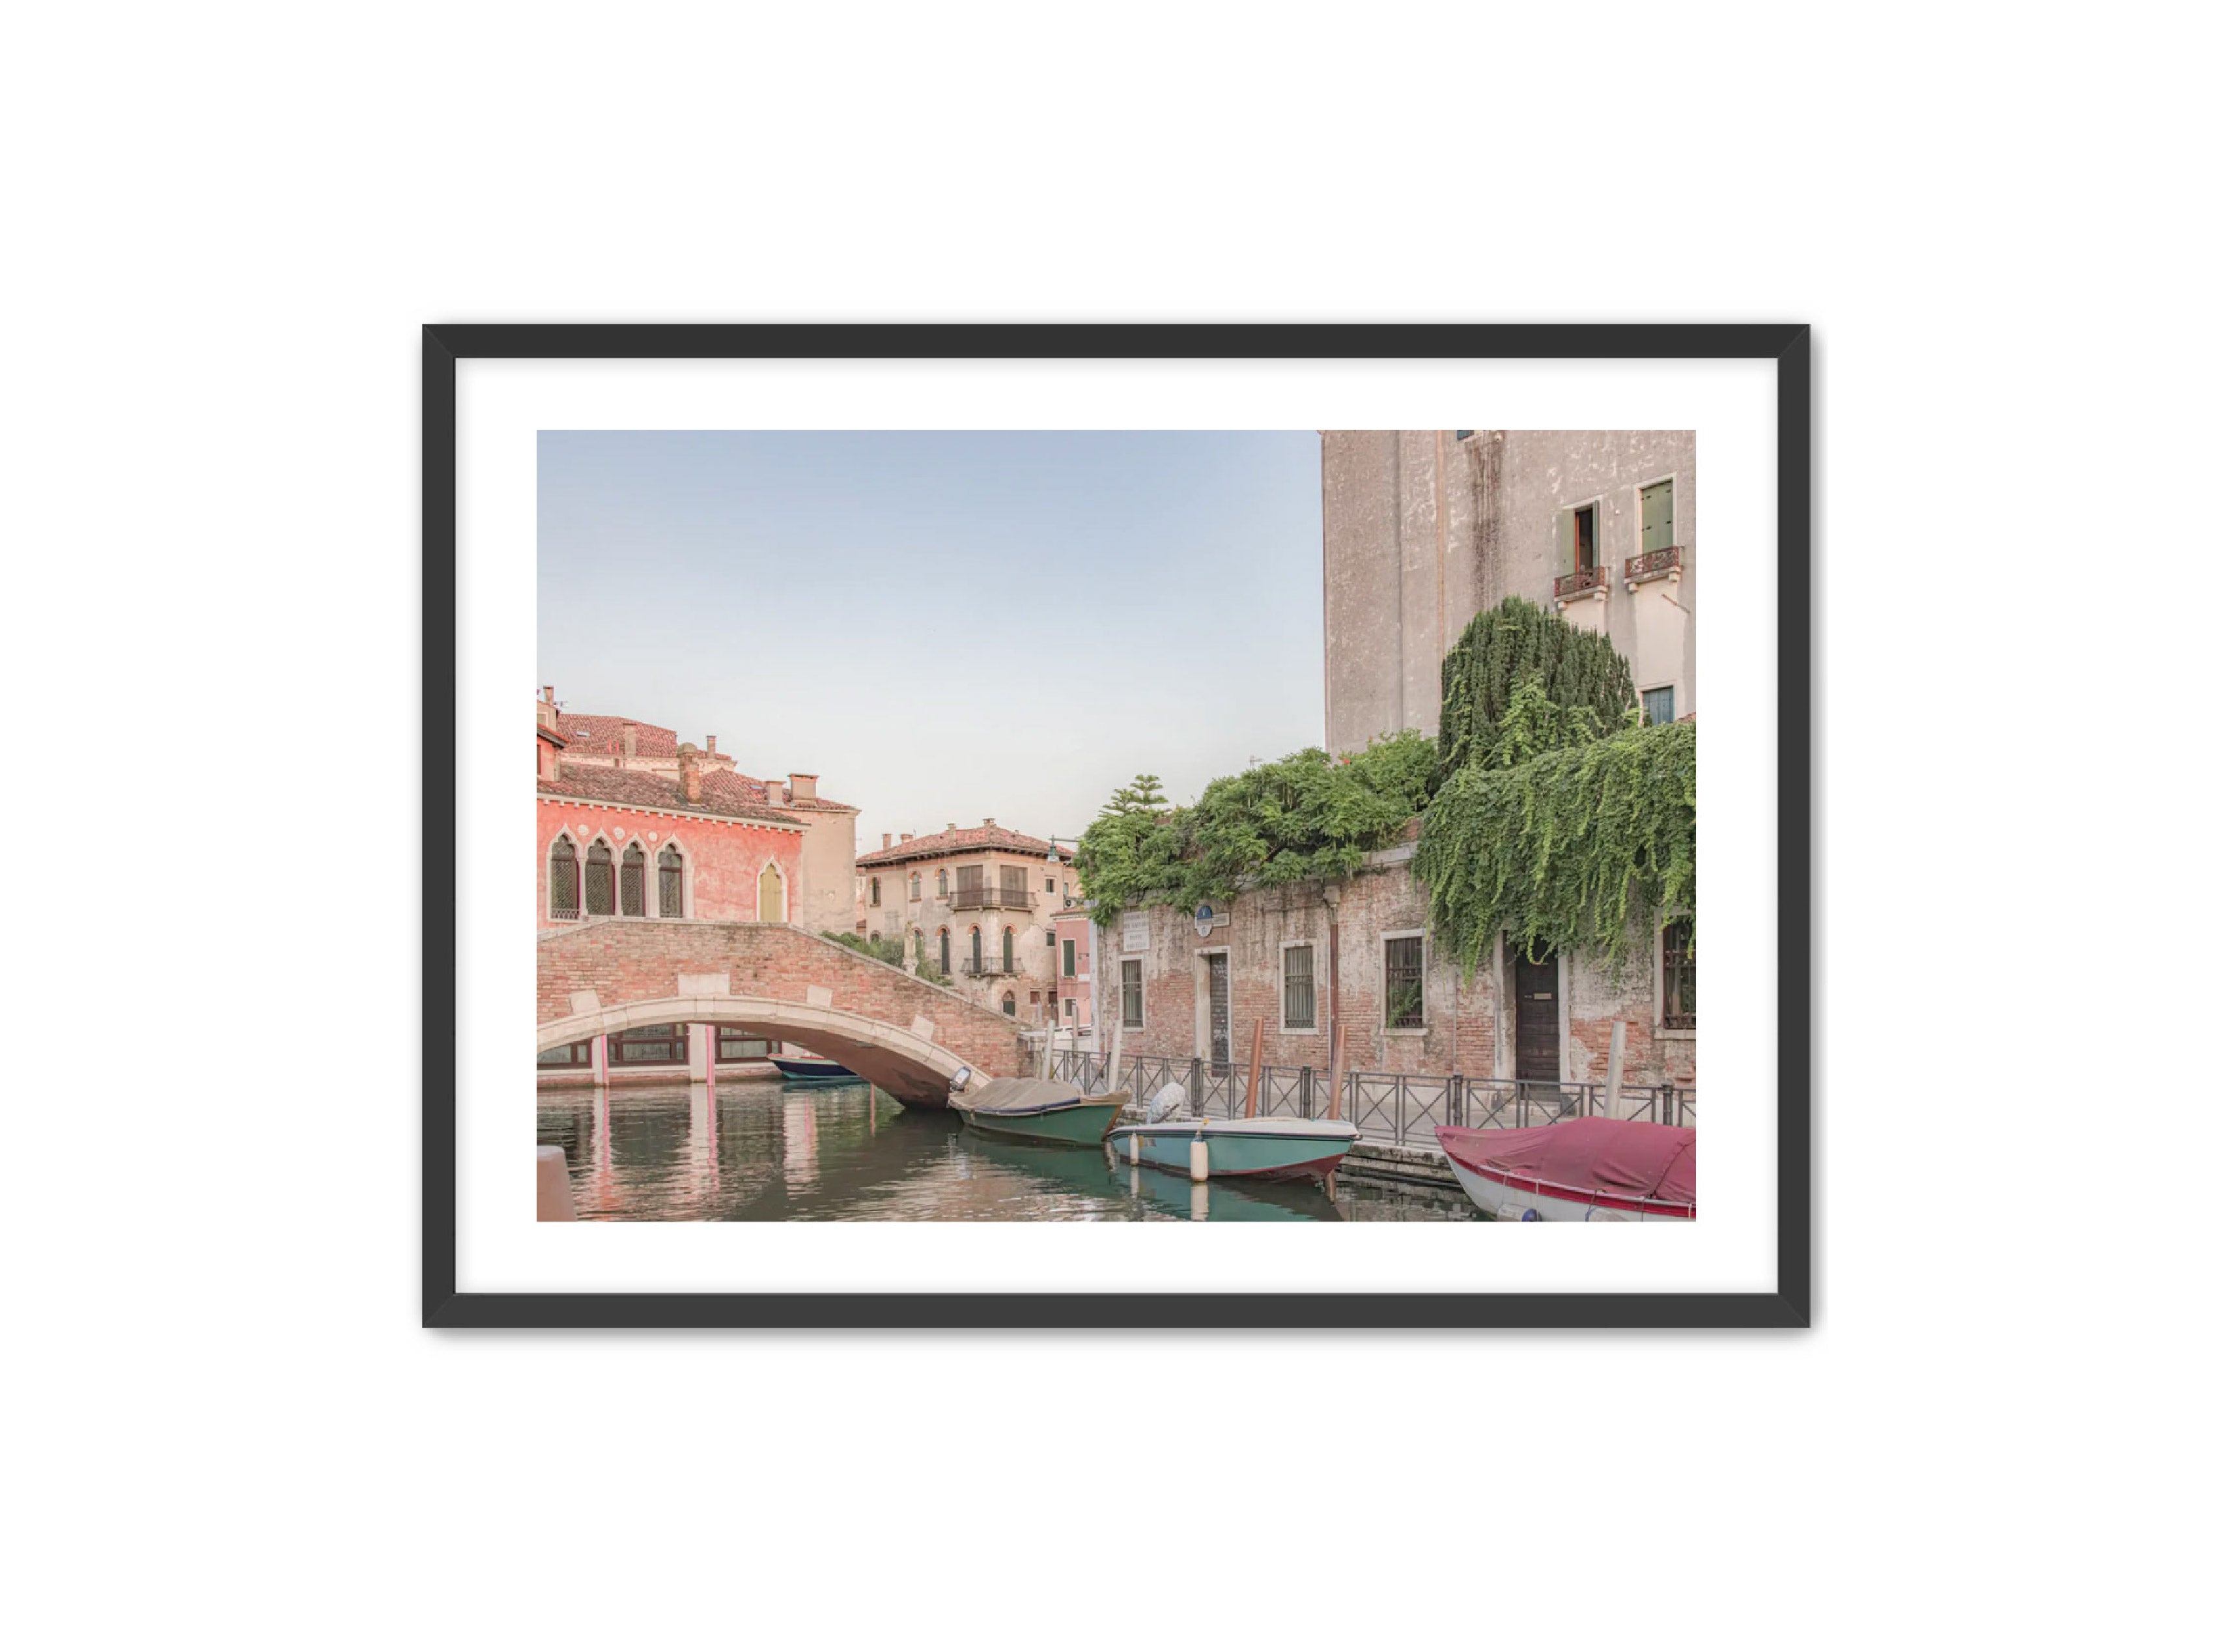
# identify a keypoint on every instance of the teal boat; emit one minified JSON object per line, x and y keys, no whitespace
{"x":1300,"y":1149}
{"x":1039,"y":1110}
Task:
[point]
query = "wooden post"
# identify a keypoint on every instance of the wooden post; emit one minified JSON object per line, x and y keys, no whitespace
{"x":1340,"y":1062}
{"x":1614,"y":1067}
{"x":1255,"y":1066}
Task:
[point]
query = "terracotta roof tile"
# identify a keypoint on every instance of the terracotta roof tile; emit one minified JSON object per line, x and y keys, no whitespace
{"x":602,"y":734}
{"x":725,"y":795}
{"x":959,"y":841}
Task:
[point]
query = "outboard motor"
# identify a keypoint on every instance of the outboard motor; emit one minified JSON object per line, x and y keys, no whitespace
{"x":1171,"y":1098}
{"x":959,"y":1082}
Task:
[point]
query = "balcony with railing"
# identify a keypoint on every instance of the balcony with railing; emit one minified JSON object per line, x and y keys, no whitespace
{"x":1006,"y":896}
{"x":1663,"y":563}
{"x":1569,"y":588}
{"x":988,"y":967}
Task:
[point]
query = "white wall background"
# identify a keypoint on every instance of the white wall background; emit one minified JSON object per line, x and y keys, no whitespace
{"x":226,"y":224}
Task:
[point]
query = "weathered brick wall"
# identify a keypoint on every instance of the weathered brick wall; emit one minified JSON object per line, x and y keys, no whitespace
{"x":626,"y":963}
{"x":725,"y":856}
{"x":1464,"y":1032}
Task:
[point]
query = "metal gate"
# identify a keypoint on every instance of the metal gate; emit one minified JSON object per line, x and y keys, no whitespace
{"x":1220,"y":1010}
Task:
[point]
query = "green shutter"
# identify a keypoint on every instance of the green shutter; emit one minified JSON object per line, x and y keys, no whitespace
{"x":1658,"y":516}
{"x":1561,"y":544}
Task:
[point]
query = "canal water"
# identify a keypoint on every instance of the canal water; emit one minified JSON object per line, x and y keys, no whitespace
{"x":770,"y":1151}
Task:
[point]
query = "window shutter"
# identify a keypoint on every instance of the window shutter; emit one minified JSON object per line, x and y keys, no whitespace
{"x":1561,"y":544}
{"x":1658,"y":516}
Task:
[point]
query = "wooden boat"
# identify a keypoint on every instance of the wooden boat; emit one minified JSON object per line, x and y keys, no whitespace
{"x":1270,"y":1148}
{"x":1585,"y":1169}
{"x":1039,"y":1110}
{"x":814,"y":1069}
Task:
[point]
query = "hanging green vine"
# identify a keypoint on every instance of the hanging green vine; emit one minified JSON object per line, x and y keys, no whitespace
{"x":1577,"y":672}
{"x":1565,"y":850}
{"x":1308,"y":815}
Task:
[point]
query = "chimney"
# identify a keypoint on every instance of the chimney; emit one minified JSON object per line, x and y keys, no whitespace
{"x":712,"y":744}
{"x":952,"y":826}
{"x":887,"y":841}
{"x":988,"y":819}
{"x":627,"y":740}
{"x":693,"y":782}
{"x":801,"y":787}
{"x":906,"y":837}
{"x":549,"y":695}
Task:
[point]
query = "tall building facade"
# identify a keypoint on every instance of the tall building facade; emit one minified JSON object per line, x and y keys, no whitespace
{"x":1425,"y":528}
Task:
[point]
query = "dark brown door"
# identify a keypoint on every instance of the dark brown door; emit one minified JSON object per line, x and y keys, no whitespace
{"x":1220,"y":1011}
{"x":1535,"y":988}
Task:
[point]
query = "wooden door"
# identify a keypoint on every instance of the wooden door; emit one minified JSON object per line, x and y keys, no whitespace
{"x":1535,"y":989}
{"x":1220,"y":1011}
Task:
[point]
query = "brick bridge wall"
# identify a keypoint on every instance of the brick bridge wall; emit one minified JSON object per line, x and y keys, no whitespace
{"x":625,"y":962}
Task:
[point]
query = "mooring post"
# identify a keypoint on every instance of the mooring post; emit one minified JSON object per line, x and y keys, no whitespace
{"x":1613,"y":1068}
{"x":1340,"y":1064}
{"x":1255,"y":1066}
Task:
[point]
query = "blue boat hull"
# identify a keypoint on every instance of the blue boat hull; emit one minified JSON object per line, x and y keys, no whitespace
{"x":1270,"y":1151}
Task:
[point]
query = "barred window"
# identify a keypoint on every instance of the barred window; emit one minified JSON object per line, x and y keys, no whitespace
{"x":670,"y":882}
{"x":642,"y":1047}
{"x":631,"y":870}
{"x":1135,"y":998}
{"x":738,"y":1045}
{"x":1677,"y":975}
{"x":565,"y":881}
{"x":1406,"y":992}
{"x":598,"y":882}
{"x":1302,"y":983}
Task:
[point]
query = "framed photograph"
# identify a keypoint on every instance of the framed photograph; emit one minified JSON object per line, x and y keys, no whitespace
{"x":1022,"y":812}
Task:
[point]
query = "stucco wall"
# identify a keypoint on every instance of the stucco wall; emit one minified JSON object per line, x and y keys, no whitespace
{"x":901,"y":914}
{"x":1423,"y":530}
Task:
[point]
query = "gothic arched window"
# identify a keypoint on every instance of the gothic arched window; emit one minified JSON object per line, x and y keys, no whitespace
{"x":670,"y":882}
{"x":771,"y":904}
{"x":945,"y":952}
{"x":1008,"y":951}
{"x":632,"y":867}
{"x":1008,"y":1004}
{"x":976,"y":950}
{"x":565,"y":881}
{"x":598,"y":885}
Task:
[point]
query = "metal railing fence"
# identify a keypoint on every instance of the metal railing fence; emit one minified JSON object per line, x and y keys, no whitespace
{"x":1399,"y":1107}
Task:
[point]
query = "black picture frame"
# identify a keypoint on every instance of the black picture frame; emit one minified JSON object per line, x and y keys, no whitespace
{"x":1789,"y":1305}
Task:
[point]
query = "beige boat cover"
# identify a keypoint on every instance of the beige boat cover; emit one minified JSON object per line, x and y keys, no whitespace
{"x":1026,"y":1096}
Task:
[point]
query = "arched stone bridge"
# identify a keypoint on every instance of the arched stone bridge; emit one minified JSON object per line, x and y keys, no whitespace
{"x":901,"y":1033}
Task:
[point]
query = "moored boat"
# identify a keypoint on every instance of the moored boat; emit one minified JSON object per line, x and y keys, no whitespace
{"x":1040,"y":1110}
{"x":1584,"y":1170}
{"x":1269,"y":1148}
{"x":813,"y":1068}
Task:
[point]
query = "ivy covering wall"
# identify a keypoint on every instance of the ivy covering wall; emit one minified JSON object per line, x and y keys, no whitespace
{"x":1578,"y":674}
{"x":1306,"y":815}
{"x":1551,"y":815}
{"x":1566,"y":850}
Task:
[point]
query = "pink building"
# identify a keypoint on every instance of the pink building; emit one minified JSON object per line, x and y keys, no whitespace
{"x":632,"y":826}
{"x":1074,"y":952}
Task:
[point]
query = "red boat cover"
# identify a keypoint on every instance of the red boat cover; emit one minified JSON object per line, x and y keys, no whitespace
{"x":1621,"y":1156}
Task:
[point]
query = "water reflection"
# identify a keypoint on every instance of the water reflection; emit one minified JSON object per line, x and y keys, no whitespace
{"x":758,"y":1150}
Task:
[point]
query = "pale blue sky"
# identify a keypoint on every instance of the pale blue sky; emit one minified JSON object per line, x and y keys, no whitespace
{"x":942,"y":624}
